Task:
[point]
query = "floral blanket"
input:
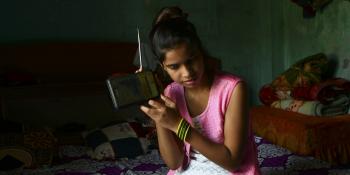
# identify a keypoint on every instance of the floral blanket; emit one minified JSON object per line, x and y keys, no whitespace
{"x":339,"y":106}
{"x":272,"y":160}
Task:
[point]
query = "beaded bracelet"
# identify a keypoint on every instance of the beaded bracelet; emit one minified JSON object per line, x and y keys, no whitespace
{"x":183,"y":129}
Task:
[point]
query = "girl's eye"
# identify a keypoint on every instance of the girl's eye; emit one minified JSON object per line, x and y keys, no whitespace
{"x":173,"y":66}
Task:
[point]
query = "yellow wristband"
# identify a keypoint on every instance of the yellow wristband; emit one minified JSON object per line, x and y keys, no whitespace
{"x":178,"y":126}
{"x":183,"y":129}
{"x":186,"y":132}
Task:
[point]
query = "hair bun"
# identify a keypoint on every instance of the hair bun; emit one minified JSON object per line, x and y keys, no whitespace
{"x":167,"y":13}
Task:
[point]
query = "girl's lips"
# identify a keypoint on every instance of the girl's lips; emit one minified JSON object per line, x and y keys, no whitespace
{"x":190,"y":81}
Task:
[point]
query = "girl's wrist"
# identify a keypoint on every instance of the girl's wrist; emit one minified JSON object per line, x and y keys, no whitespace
{"x":183,"y":129}
{"x":176,"y":126}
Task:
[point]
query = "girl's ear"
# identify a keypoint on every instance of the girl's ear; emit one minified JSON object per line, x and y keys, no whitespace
{"x":162,"y":65}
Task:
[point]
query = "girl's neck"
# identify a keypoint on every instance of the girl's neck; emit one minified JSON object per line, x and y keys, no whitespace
{"x":205,"y":85}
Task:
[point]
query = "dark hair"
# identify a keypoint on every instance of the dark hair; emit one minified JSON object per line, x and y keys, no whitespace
{"x":172,"y":29}
{"x":168,"y":13}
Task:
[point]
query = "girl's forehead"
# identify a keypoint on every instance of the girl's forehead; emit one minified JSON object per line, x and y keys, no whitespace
{"x":178,"y":54}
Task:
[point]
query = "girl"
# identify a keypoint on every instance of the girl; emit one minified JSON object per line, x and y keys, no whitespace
{"x":202,"y":121}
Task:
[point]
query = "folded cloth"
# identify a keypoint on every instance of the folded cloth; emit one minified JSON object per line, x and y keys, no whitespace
{"x":339,"y":106}
{"x":325,"y":91}
{"x":15,"y":157}
{"x":304,"y":73}
{"x":114,"y":141}
{"x":328,"y":90}
{"x":267,"y":95}
{"x":302,"y":93}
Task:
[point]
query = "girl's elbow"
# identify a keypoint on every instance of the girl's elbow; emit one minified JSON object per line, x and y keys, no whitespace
{"x":234,"y":167}
{"x":174,"y":165}
{"x":235,"y":164}
{"x":236,"y":160}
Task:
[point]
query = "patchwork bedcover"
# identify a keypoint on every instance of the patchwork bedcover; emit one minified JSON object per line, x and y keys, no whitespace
{"x":273,"y":159}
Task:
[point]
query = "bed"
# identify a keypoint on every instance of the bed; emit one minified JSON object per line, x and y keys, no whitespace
{"x":325,"y":138}
{"x":59,"y":75}
{"x":273,"y":159}
{"x":37,"y":78}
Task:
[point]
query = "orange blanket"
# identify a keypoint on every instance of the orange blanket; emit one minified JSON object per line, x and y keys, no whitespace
{"x":324,"y":138}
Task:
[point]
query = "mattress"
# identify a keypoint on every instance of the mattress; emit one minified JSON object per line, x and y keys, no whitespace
{"x":325,"y":138}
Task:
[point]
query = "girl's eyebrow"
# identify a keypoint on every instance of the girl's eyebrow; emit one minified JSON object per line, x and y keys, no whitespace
{"x":172,"y":63}
{"x":189,"y":57}
{"x":168,"y":65}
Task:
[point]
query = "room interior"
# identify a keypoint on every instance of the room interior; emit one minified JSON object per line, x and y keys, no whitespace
{"x":56,"y":55}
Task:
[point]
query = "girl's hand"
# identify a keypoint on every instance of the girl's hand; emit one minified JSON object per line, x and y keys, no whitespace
{"x":163,"y":112}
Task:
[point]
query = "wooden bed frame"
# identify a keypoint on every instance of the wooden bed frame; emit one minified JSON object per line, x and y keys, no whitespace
{"x":68,"y":62}
{"x":325,"y":138}
{"x":69,"y":80}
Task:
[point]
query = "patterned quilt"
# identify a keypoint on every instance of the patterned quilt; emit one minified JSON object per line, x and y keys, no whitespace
{"x":272,"y":159}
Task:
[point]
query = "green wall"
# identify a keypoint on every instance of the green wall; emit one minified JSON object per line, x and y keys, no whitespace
{"x":254,"y":39}
{"x":328,"y":32}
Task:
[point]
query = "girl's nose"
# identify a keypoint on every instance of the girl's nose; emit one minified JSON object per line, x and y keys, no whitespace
{"x":187,"y":70}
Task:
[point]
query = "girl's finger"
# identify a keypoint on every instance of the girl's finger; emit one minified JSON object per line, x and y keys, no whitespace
{"x":149,"y":111}
{"x":155,"y":104}
{"x":168,"y":101}
{"x":144,"y":109}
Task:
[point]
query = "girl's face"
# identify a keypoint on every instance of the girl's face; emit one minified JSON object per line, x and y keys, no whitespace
{"x":184,"y":67}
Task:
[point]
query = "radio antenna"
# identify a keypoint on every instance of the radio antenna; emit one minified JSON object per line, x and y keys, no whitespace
{"x":140,"y":55}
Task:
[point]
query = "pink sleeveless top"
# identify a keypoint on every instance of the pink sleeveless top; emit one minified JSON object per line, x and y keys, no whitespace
{"x":212,"y":119}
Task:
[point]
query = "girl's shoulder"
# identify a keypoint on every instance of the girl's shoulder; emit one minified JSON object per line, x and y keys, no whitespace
{"x":223,"y":86}
{"x":226,"y":79}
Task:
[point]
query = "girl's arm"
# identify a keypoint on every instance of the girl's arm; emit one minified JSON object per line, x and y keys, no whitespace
{"x":165,"y":115}
{"x":170,"y":147}
{"x":230,"y":154}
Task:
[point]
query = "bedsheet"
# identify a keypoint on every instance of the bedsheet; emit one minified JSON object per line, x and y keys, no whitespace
{"x":273,"y":160}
